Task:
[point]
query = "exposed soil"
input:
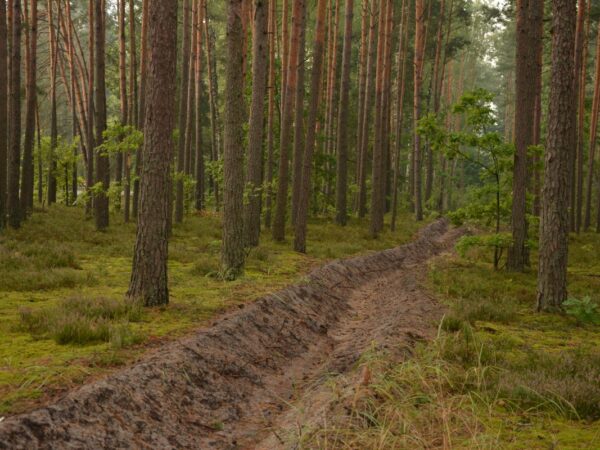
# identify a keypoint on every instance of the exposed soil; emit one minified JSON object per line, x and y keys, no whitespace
{"x":231,"y":386}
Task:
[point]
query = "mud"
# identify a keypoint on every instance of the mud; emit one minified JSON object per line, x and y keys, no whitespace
{"x":230,"y":386}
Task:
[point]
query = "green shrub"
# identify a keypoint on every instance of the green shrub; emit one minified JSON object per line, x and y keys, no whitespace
{"x":585,"y":311}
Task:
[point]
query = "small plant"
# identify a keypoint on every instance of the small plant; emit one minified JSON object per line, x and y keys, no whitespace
{"x":584,"y":310}
{"x":82,"y":321}
{"x":206,"y":266}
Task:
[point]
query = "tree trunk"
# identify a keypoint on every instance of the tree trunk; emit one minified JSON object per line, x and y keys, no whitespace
{"x":199,"y":160}
{"x":133,"y":105}
{"x":342,"y":128}
{"x":232,"y":257}
{"x":271,"y":112}
{"x":124,"y":106}
{"x":377,"y":194}
{"x":190,"y":135}
{"x":577,"y":70}
{"x":260,"y":48}
{"x":593,"y":138}
{"x":329,"y":127}
{"x":52,"y":185}
{"x":362,"y":84}
{"x":529,"y":16}
{"x":91,"y":142}
{"x":102,"y":161}
{"x":286,"y":123}
{"x":78,"y":126}
{"x":139,"y":156}
{"x":183,"y":109}
{"x":581,"y":124}
{"x":14,"y":114}
{"x":299,"y":119}
{"x":3,"y":113}
{"x":366,"y":120}
{"x":311,"y":122}
{"x":401,"y":86}
{"x":554,"y":220}
{"x":212,"y":98}
{"x":31,"y":99}
{"x":149,"y":275}
{"x":418,"y":80}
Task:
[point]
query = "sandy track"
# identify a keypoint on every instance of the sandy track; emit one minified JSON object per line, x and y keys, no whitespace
{"x":231,"y":386}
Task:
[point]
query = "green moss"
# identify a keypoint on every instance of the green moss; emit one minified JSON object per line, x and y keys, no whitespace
{"x":58,"y":255}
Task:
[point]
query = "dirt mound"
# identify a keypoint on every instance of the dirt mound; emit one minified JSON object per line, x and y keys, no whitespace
{"x":211,"y":390}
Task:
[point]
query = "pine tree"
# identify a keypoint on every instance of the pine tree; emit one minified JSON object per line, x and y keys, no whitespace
{"x":342,"y":128}
{"x":101,"y":213}
{"x":3,"y":113}
{"x":260,"y":49}
{"x":15,"y":214}
{"x":554,"y":219}
{"x":149,"y":281}
{"x":233,"y":256}
{"x":300,"y":227}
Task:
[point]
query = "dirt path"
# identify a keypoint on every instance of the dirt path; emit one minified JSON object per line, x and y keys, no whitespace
{"x":256,"y":378}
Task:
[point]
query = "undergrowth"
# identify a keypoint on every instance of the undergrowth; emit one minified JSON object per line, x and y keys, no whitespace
{"x":63,"y":317}
{"x":498,"y":375}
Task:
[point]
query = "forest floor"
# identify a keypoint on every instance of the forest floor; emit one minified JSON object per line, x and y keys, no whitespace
{"x":415,"y":347}
{"x":226,"y":385}
{"x":62,"y":283}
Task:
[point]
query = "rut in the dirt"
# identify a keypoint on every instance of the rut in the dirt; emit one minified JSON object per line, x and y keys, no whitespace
{"x":207,"y":391}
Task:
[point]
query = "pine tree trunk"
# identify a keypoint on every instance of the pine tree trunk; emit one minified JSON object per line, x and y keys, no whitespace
{"x":199,"y":160}
{"x":78,"y":126}
{"x":132,"y":106}
{"x":581,"y":125}
{"x":342,"y":128}
{"x":124,"y":107}
{"x":299,"y":119}
{"x":366,"y":120}
{"x":149,"y":281}
{"x":577,"y":70}
{"x":183,"y":109}
{"x":554,"y":220}
{"x":52,"y":184}
{"x":14,"y":115}
{"x":212,"y":98}
{"x":190,"y":135}
{"x":418,"y":80}
{"x":401,"y":86}
{"x":300,"y":226}
{"x":3,"y":113}
{"x":329,"y":128}
{"x":91,"y":142}
{"x":593,"y":140}
{"x":362,"y":84}
{"x":139,"y":156}
{"x":102,"y":162}
{"x":377,"y":194}
{"x":271,"y":113}
{"x":260,"y":48}
{"x":31,"y":99}
{"x":529,"y":15}
{"x":286,"y":123}
{"x":232,"y":258}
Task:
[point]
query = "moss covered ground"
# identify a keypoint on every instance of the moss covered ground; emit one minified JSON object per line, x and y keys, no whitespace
{"x":62,"y":287}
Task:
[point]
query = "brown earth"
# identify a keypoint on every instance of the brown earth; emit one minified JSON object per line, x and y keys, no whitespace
{"x":233,"y":385}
